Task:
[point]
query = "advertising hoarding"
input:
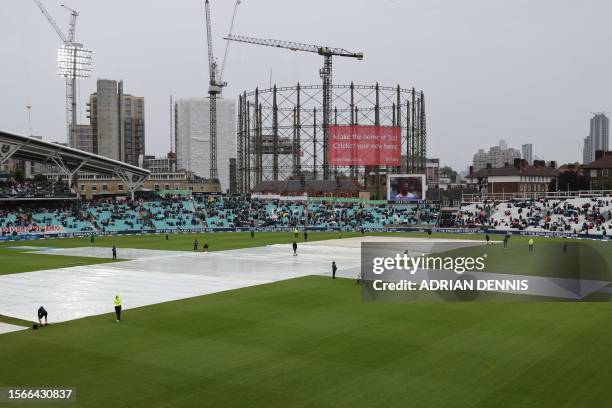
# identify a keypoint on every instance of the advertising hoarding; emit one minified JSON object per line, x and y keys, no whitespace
{"x":365,"y":145}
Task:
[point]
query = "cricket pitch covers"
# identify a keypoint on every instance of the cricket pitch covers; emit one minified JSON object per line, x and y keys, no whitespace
{"x":154,"y":276}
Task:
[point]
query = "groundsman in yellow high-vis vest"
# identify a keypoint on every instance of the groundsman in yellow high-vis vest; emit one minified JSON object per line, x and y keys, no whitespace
{"x":117,"y":303}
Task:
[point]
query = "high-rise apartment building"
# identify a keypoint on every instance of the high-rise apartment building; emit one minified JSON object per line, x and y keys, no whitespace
{"x":497,"y":156}
{"x":598,"y":138}
{"x":527,"y":149}
{"x":117,"y":122}
{"x":192,"y":134}
{"x":83,"y":138}
{"x":588,"y":153}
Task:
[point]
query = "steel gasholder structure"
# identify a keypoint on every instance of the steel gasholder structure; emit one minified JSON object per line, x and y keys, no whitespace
{"x":281,"y":135}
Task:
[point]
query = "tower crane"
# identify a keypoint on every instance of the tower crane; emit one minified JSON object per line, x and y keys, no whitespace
{"x":216,"y":84}
{"x":74,"y":62}
{"x":325,"y":73}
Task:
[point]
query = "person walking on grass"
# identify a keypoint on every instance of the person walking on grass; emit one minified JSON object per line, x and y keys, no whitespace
{"x":294,"y":245}
{"x":42,"y":313}
{"x":195,"y":245}
{"x":295,"y":233}
{"x":506,"y":241}
{"x":114,"y":252}
{"x":530,"y":244}
{"x":252,"y":234}
{"x":117,"y":304}
{"x":334,"y":269}
{"x":488,"y":238}
{"x":305,"y":236}
{"x":91,"y":239}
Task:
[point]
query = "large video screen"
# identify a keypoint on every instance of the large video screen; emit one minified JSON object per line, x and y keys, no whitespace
{"x":406,"y":187}
{"x":365,"y":145}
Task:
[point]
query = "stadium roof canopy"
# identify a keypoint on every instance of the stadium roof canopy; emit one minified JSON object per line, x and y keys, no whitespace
{"x":67,"y":159}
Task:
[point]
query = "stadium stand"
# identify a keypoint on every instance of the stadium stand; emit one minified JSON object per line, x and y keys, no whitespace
{"x":30,"y":189}
{"x":109,"y":216}
{"x":578,"y":215}
{"x":36,"y":207}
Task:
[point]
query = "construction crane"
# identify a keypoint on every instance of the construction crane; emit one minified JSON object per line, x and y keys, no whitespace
{"x":216,"y":84}
{"x":227,"y":45}
{"x":325,"y":74}
{"x":73,"y":62}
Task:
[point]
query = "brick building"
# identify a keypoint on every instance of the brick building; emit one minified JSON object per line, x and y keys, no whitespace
{"x":599,"y":171}
{"x":518,"y":177}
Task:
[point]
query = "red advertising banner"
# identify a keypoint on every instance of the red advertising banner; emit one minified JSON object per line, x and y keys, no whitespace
{"x":365,"y":145}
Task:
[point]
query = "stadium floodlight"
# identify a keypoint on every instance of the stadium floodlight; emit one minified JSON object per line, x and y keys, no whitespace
{"x":74,"y":61}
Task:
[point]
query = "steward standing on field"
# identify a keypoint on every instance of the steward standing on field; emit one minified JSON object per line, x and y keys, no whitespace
{"x":117,"y":304}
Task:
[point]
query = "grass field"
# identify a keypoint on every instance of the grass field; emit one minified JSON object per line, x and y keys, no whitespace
{"x":217,"y":241}
{"x":14,"y":260}
{"x":311,"y":342}
{"x":581,"y":259}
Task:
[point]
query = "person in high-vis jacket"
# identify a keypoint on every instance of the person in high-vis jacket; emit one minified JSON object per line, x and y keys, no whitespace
{"x":117,"y":304}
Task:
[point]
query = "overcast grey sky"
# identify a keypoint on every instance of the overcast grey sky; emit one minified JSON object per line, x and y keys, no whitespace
{"x":519,"y":70}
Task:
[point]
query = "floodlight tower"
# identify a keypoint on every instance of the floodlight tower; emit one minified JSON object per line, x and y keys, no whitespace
{"x":73,"y":62}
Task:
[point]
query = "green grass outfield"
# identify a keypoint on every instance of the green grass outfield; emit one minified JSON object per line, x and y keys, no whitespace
{"x":13,"y":260}
{"x":217,"y":241}
{"x":311,"y":342}
{"x":582,"y":259}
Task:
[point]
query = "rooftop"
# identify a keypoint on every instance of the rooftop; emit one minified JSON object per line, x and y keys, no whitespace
{"x":604,"y":162}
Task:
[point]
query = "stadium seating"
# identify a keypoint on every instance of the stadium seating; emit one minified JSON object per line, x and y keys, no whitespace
{"x":34,"y":189}
{"x":180,"y":213}
{"x":573,"y":215}
{"x":592,"y":215}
